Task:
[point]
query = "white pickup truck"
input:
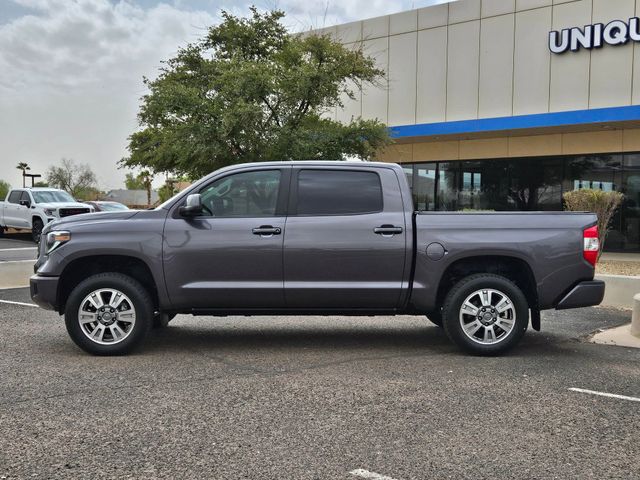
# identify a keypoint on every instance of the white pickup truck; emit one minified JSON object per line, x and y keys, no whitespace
{"x":32,"y":208}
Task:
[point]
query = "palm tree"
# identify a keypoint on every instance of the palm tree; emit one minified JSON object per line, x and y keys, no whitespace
{"x":24,"y":167}
{"x":147,"y":178}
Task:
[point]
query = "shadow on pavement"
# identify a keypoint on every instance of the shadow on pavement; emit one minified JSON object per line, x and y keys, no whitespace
{"x":294,"y":338}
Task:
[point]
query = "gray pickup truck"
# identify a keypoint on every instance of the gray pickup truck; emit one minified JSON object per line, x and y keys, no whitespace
{"x":319,"y":238}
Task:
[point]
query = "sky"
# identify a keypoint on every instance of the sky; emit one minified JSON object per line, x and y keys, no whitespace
{"x":71,"y":70}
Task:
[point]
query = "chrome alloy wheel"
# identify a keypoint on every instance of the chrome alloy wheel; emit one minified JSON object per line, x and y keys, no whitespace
{"x":106,"y":316}
{"x":487,"y":316}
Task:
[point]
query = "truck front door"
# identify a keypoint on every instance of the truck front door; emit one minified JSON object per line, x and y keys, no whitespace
{"x":345,"y":239}
{"x":230,"y":257}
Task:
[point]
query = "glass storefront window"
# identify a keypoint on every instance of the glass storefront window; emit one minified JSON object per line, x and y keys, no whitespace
{"x":484,"y":186}
{"x":529,"y":184}
{"x":630,"y":211}
{"x":424,"y":186}
{"x":447,"y":186}
{"x":536,"y":184}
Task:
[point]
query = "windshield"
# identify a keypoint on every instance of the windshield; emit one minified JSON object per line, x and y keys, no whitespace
{"x":52,"y":196}
{"x":112,"y":207}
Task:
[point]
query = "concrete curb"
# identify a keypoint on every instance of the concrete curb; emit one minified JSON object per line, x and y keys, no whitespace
{"x":620,"y":290}
{"x":620,"y":337}
{"x":15,"y":274}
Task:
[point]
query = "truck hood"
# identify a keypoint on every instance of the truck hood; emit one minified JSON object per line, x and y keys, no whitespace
{"x":97,"y":217}
{"x":63,"y":205}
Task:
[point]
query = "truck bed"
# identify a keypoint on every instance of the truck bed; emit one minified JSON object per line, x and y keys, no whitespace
{"x":548,"y":244}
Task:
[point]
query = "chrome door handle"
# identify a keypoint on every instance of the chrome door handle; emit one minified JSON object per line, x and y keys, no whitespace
{"x":387,"y":230}
{"x":266,"y":230}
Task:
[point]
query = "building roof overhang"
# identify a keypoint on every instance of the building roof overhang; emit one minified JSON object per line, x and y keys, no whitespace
{"x":535,"y":124}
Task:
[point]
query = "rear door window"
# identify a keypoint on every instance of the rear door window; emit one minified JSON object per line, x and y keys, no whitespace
{"x":338,"y":192}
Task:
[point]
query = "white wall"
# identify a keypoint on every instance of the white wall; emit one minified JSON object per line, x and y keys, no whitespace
{"x":489,"y":58}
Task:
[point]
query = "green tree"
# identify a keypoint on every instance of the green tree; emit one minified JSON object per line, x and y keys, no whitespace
{"x":41,"y":184}
{"x":249,"y":91}
{"x":23,"y":167}
{"x":74,"y":178}
{"x":4,"y":189}
{"x":133,"y":182}
{"x":166,"y":191}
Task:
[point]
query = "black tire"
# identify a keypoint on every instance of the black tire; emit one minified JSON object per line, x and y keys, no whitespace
{"x":162,"y":320}
{"x":435,"y":317}
{"x":1,"y":231}
{"x":471,"y":285}
{"x":36,"y":229}
{"x":141,"y":302}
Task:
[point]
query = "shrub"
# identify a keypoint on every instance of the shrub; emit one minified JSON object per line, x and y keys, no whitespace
{"x":4,"y":189}
{"x":603,"y":204}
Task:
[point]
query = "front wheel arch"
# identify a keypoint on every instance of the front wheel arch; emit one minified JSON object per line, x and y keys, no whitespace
{"x":37,"y":224}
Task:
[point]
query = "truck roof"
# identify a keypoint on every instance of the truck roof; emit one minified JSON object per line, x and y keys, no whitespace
{"x":39,"y":189}
{"x":323,"y":163}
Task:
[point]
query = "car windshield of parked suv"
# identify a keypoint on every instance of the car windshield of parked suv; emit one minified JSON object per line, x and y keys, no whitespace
{"x":52,"y":196}
{"x":112,"y":207}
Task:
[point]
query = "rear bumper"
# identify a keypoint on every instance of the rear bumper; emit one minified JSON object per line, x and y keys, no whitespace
{"x":584,"y":294}
{"x":44,"y":291}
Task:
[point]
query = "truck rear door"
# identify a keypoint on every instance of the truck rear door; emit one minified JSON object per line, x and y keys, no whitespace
{"x":13,"y":211}
{"x":345,"y":239}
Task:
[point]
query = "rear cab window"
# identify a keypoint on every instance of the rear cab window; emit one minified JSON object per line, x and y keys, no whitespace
{"x":338,"y":192}
{"x":14,"y":196}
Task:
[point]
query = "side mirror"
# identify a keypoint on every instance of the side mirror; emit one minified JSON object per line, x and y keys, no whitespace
{"x":193,"y":206}
{"x":25,"y":203}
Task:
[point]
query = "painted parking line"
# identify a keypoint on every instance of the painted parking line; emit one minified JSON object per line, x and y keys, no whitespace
{"x":17,"y":249}
{"x":362,"y":473}
{"x":605,"y":394}
{"x":19,"y":303}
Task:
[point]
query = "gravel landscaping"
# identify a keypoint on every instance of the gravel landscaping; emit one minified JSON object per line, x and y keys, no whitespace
{"x":616,"y":267}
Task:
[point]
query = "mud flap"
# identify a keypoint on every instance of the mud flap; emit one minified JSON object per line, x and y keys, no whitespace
{"x":535,"y":319}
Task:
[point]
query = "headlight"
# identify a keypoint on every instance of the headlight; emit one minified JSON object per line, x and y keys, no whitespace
{"x":49,"y":212}
{"x":57,"y":238}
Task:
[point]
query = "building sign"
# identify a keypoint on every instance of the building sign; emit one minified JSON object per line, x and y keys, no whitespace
{"x":617,"y":32}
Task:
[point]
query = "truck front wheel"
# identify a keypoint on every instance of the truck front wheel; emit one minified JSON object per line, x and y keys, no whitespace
{"x":108,"y":314}
{"x":36,"y":230}
{"x":485,"y":314}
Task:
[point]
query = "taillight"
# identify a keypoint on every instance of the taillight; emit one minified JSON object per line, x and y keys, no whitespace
{"x":591,"y":245}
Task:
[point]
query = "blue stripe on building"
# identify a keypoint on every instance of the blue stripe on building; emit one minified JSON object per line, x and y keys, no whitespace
{"x":520,"y":122}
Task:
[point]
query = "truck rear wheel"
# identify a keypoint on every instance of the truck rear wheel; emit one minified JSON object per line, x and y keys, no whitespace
{"x":108,"y":314}
{"x":485,"y":314}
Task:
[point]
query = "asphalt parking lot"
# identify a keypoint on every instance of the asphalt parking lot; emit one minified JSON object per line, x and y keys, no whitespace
{"x":17,"y":247}
{"x":315,"y":398}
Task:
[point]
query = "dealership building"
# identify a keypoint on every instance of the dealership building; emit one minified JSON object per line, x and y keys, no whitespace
{"x":507,"y":104}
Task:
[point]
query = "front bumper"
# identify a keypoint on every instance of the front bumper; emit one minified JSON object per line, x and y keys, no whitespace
{"x":44,"y":291}
{"x":584,"y":294}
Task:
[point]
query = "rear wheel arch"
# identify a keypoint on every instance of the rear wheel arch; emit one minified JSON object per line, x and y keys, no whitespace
{"x":511,"y":268}
{"x":85,"y":267}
